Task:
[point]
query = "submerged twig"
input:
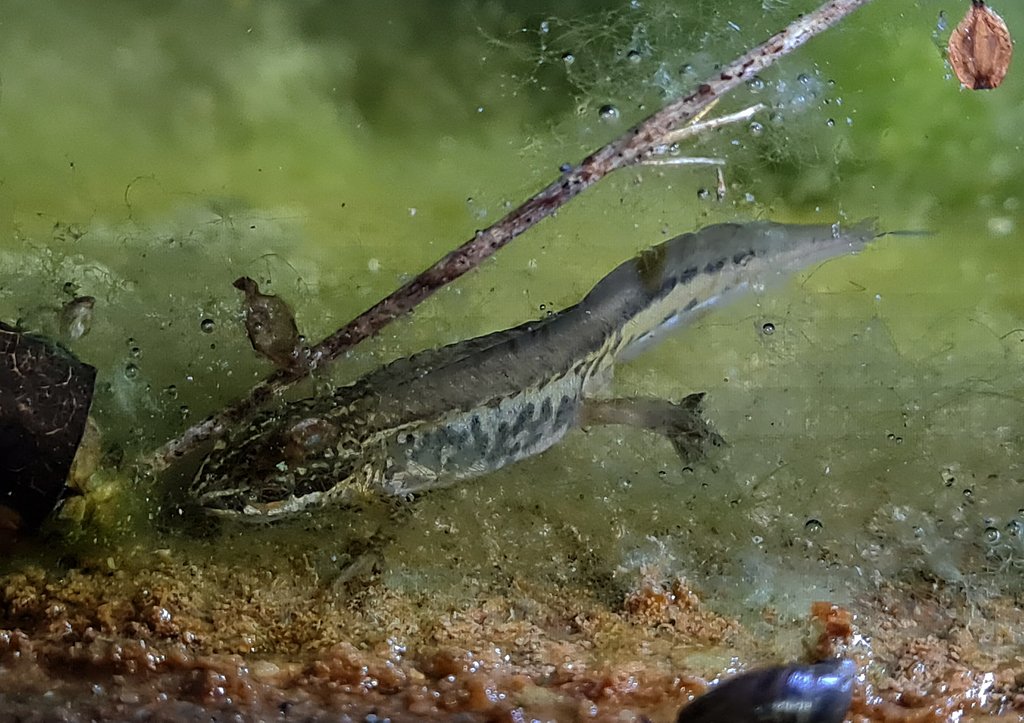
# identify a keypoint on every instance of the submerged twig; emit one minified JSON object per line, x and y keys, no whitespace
{"x":637,"y":145}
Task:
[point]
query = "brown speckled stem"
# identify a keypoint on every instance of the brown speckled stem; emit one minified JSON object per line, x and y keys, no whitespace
{"x":637,"y":144}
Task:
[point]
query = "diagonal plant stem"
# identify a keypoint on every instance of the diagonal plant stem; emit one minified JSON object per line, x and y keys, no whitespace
{"x":635,"y":146}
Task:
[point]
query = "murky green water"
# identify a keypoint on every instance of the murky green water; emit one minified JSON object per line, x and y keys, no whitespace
{"x":149,"y":156}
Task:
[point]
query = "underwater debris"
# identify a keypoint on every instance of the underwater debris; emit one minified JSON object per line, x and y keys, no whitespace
{"x":76,"y":317}
{"x":45,"y":394}
{"x":271,"y":327}
{"x":980,"y":48}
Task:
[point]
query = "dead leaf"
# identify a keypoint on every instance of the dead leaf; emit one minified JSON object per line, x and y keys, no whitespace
{"x":980,"y":48}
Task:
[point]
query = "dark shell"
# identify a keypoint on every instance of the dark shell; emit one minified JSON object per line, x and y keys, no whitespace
{"x":45,"y":393}
{"x":819,"y":693}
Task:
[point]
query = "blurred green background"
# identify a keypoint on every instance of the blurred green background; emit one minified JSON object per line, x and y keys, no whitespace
{"x":150,"y":153}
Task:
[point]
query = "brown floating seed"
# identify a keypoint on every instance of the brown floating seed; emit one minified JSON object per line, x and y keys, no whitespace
{"x":980,"y":48}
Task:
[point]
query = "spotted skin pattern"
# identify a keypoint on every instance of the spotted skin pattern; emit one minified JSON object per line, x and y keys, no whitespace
{"x":451,"y":414}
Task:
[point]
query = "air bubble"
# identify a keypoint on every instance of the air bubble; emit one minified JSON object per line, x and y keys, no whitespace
{"x":991,"y":535}
{"x":135,"y":351}
{"x":568,"y":58}
{"x":131,"y":371}
{"x":813,"y":526}
{"x":755,"y":84}
{"x":608,"y":112}
{"x":171,"y":391}
{"x":830,"y":122}
{"x":633,"y":56}
{"x":756,"y":129}
{"x":1015,"y":528}
{"x":207,"y":326}
{"x":768,"y":328}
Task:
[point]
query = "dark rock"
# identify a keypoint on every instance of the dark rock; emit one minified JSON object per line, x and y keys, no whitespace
{"x":45,"y":394}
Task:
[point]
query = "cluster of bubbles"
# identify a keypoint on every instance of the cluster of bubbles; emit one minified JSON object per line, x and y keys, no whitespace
{"x":1004,"y":541}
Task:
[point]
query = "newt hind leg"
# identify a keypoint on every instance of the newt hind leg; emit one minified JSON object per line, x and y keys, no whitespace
{"x":681,"y":422}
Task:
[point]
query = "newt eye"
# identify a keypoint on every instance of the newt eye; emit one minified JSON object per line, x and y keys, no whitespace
{"x":307,"y":437}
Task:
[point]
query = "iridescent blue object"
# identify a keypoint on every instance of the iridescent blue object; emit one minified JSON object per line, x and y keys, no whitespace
{"x":819,"y":693}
